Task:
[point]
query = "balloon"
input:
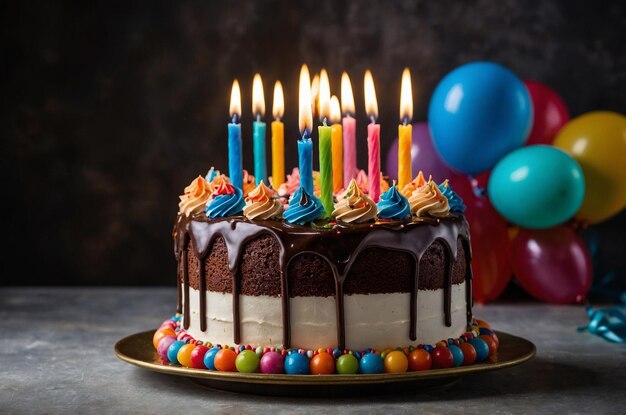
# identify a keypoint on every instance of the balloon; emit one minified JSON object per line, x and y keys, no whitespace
{"x":549,"y":113}
{"x":552,"y":264}
{"x":597,"y":140}
{"x":424,"y":157}
{"x":537,"y":187}
{"x":490,"y":249}
{"x":478,"y":113}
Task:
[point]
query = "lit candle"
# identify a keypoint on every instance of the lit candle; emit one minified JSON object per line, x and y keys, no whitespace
{"x":235,"y":169}
{"x":405,"y":131}
{"x":278,"y":137}
{"x":337,"y":139}
{"x":349,"y":131}
{"x":305,"y":145}
{"x":373,"y":138}
{"x":325,"y":146}
{"x":258,"y":130}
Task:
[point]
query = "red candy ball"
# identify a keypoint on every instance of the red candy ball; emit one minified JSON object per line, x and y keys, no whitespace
{"x":322,"y":364}
{"x":469,"y":353}
{"x":225,"y":360}
{"x":493,"y":347}
{"x":442,"y":358}
{"x":420,"y":359}
{"x":197,"y":357}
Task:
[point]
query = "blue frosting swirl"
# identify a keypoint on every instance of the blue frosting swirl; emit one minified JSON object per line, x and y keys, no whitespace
{"x":303,"y":208}
{"x":226,"y":205}
{"x":393,"y":205}
{"x":454,"y":200}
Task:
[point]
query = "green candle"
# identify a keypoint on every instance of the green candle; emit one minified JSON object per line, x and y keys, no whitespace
{"x":326,"y":168}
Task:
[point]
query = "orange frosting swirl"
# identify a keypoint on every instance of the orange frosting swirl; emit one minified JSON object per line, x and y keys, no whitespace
{"x":428,"y":200}
{"x":195,"y":197}
{"x":409,"y":188}
{"x":261,"y":204}
{"x":248,"y":183}
{"x":355,"y":206}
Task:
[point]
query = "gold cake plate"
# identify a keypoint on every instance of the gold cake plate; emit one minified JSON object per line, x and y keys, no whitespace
{"x":138,"y":350}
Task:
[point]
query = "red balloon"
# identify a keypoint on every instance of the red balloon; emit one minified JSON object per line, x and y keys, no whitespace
{"x":552,"y":265}
{"x":549,"y":113}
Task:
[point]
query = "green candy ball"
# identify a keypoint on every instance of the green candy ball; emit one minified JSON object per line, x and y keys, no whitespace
{"x":247,"y":361}
{"x":347,"y":364}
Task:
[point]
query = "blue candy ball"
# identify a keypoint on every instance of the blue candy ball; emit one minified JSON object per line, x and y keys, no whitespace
{"x":371,"y":363}
{"x":209,"y":358}
{"x":481,"y":347}
{"x":457,"y":355}
{"x":172,"y":351}
{"x":297,"y":364}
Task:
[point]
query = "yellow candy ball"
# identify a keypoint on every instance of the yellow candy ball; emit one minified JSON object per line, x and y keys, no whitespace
{"x":184,"y":355}
{"x":396,"y":362}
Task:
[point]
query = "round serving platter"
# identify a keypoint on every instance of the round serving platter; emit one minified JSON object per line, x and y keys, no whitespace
{"x":138,"y":350}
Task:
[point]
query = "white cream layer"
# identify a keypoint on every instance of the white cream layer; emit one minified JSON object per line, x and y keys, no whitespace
{"x":373,"y":320}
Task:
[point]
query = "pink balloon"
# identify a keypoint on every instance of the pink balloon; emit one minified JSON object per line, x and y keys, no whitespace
{"x":552,"y":265}
{"x":549,"y":113}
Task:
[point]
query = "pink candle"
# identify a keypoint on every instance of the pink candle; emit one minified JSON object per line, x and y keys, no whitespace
{"x":349,"y":150}
{"x":373,"y":160}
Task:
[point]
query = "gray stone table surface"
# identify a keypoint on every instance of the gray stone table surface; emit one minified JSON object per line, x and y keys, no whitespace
{"x":56,"y":352}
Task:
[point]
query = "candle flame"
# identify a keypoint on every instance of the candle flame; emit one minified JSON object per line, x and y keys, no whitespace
{"x":235,"y":100}
{"x":258,"y":97}
{"x":371,"y":104}
{"x":278,"y":104}
{"x":305,"y":117}
{"x":315,"y":95}
{"x":406,"y":97}
{"x":324,"y":97}
{"x":335,"y":110}
{"x":347,"y":98}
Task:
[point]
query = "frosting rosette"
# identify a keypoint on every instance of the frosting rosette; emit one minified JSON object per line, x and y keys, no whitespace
{"x":363,"y":183}
{"x":226,"y":200}
{"x":427,"y":200}
{"x":249,"y":183}
{"x":417,"y":182}
{"x":454,"y":200}
{"x":261,"y":204}
{"x":195,"y":197}
{"x":290,"y":185}
{"x":393,"y":205}
{"x":303,"y":208}
{"x":355,"y":206}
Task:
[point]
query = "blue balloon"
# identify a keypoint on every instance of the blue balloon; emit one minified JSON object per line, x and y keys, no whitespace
{"x":537,"y":187}
{"x":478,"y":113}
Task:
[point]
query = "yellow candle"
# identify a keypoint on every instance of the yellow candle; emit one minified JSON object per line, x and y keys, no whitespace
{"x":405,"y":131}
{"x":336,"y":134}
{"x":278,"y":137}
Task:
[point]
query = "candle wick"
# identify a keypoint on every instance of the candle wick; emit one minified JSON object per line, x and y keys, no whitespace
{"x":258,"y":118}
{"x":234,"y":118}
{"x":373,"y":119}
{"x":405,"y":121}
{"x":324,"y":122}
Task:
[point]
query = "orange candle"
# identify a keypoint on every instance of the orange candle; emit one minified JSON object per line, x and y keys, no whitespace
{"x":336,"y":134}
{"x":278,"y":137}
{"x":405,"y":131}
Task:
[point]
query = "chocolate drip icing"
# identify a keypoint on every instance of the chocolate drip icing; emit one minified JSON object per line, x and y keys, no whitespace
{"x":179,"y":290}
{"x":338,"y":245}
{"x":186,"y":313}
{"x":469,"y":300}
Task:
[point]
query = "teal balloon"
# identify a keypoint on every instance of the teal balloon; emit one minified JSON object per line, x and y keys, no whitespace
{"x":537,"y":187}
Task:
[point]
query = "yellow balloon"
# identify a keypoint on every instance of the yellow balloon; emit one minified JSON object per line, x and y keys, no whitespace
{"x":597,"y":140}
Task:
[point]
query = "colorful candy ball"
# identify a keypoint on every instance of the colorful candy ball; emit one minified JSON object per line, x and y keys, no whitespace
{"x":172,"y":351}
{"x":396,"y":362}
{"x":491,"y":343}
{"x":272,"y":362}
{"x":420,"y":359}
{"x":164,"y":345}
{"x":184,"y":354}
{"x":483,"y":324}
{"x":209,"y":358}
{"x":160,"y":333}
{"x":297,"y":364}
{"x":469,"y":353}
{"x":322,"y":364}
{"x":482,"y":349}
{"x":247,"y":361}
{"x":225,"y":360}
{"x":457,"y":355}
{"x":347,"y":364}
{"x":371,"y":363}
{"x":197,"y":357}
{"x":442,"y":358}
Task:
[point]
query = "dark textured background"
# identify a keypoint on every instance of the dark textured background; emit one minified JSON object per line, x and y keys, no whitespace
{"x":110,"y":110}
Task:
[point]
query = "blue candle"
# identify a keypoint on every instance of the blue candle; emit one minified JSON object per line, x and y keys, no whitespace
{"x":305,"y":158}
{"x":235,"y":168}
{"x":258,"y":141}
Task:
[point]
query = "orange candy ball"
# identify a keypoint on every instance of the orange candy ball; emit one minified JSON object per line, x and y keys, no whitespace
{"x":160,"y":333}
{"x":469,"y":353}
{"x":483,"y":323}
{"x":322,"y":364}
{"x":493,"y":346}
{"x":396,"y":362}
{"x":184,"y":355}
{"x":225,"y":360}
{"x":420,"y":359}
